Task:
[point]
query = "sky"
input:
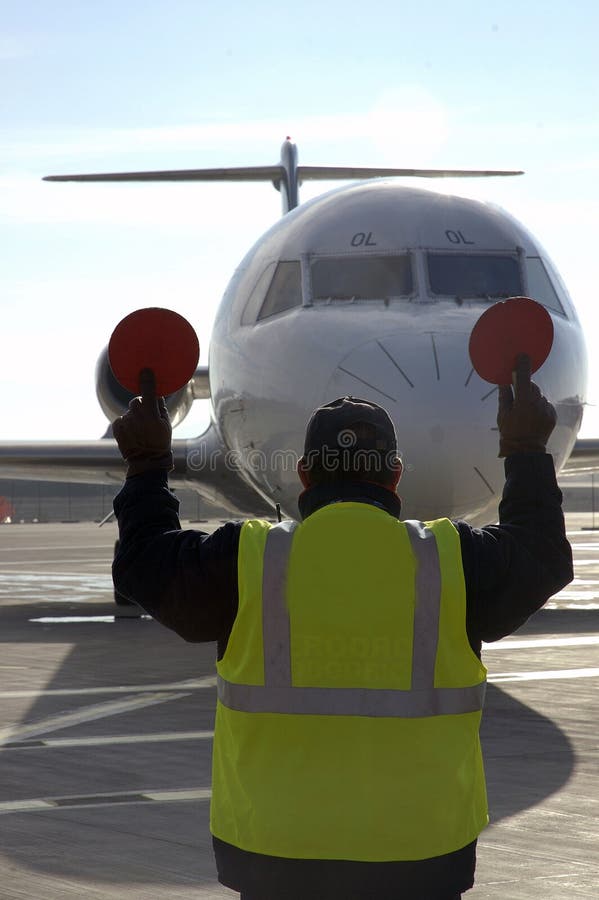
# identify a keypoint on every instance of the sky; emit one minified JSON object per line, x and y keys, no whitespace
{"x":144,"y":84}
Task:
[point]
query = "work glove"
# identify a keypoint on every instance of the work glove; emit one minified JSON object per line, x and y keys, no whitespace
{"x":144,"y":432}
{"x":525,"y":417}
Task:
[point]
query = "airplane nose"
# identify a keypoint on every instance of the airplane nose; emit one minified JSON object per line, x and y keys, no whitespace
{"x":444,"y":415}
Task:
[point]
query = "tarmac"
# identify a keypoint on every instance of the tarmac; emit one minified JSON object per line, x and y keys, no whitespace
{"x":106,"y":737}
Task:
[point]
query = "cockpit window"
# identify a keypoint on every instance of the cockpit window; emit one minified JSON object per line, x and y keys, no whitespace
{"x":285,"y":290}
{"x":361,"y":278}
{"x":539,"y":285}
{"x":469,"y":275}
{"x":256,"y":298}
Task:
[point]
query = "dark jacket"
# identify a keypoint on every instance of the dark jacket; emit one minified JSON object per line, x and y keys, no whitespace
{"x":187,"y":580}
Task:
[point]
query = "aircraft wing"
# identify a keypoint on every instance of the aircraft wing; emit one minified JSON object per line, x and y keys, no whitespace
{"x":584,"y":457}
{"x":200,"y":465}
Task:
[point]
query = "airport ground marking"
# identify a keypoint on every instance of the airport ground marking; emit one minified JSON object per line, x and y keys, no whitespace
{"x":75,"y":561}
{"x":106,"y":740}
{"x":36,"y":577}
{"x":86,"y":714}
{"x":586,"y":606}
{"x":191,"y":684}
{"x":22,"y":548}
{"x":114,"y":798}
{"x":23,"y":736}
{"x":209,"y":681}
{"x":531,"y":644}
{"x":84,"y":620}
{"x":547,"y":675}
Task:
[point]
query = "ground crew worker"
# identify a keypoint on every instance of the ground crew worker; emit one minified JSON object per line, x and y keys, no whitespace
{"x":346,"y":757}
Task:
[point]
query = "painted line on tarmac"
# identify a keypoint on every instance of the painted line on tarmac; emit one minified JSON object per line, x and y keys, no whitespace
{"x":116,"y":798}
{"x":70,"y":561}
{"x":586,"y":641}
{"x":23,"y":737}
{"x":83,"y":620}
{"x":54,"y":547}
{"x":53,"y":577}
{"x":192,"y":684}
{"x":550,"y":675}
{"x":86,"y":714}
{"x":107,"y":740}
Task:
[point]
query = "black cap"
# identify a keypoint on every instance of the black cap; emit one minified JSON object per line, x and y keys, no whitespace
{"x":350,"y":424}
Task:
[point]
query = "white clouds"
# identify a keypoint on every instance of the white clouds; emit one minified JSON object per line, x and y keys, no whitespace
{"x":26,"y":199}
{"x":396,"y":117}
{"x":409,"y":125}
{"x":54,"y":331}
{"x":406,"y":125}
{"x":205,"y":137}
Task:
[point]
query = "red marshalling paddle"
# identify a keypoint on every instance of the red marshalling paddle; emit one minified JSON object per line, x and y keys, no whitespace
{"x":157,"y":339}
{"x":504,"y":331}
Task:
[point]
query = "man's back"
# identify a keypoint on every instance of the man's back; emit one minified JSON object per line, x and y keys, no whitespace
{"x":296,"y":782}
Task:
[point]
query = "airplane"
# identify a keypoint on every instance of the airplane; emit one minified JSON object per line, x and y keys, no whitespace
{"x":371,"y":290}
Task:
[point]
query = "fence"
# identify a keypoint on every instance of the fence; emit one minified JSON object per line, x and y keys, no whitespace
{"x":46,"y":501}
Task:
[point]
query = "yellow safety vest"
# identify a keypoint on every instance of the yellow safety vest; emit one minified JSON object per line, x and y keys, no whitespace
{"x":349,"y":698}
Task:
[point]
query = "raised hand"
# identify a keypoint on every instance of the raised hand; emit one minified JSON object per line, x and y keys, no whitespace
{"x":525,"y":417}
{"x":144,"y":432}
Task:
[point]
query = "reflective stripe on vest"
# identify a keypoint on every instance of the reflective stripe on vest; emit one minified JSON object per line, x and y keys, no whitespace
{"x":278,"y":695}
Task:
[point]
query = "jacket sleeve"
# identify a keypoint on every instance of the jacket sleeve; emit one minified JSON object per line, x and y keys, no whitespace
{"x":185,"y":579}
{"x":513,"y":568}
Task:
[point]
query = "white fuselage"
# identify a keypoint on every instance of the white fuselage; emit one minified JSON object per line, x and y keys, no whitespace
{"x":293,"y":333}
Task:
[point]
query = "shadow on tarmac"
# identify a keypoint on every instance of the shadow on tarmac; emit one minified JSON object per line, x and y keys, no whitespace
{"x":527,"y":757}
{"x":561,"y":621}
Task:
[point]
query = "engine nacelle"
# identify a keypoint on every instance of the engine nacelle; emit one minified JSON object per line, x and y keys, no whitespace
{"x":114,"y":399}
